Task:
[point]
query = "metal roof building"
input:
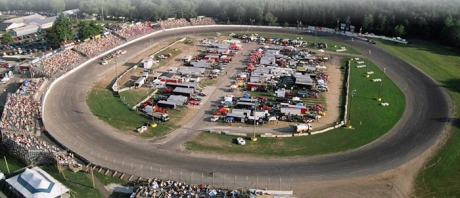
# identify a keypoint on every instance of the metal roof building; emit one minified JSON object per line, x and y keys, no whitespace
{"x":28,"y":29}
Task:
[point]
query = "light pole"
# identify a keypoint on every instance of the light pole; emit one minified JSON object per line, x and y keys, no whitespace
{"x":349,"y":110}
{"x":254,"y":139}
{"x":367,"y":65}
{"x":381,"y":84}
{"x":351,"y":45}
{"x":336,"y":32}
{"x":252,"y":23}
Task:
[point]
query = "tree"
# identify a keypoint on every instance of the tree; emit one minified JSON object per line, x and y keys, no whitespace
{"x":399,"y":30}
{"x":240,"y":14}
{"x":57,"y":5}
{"x":88,"y":7}
{"x":60,"y":31}
{"x":6,"y":38}
{"x":368,"y":22}
{"x":270,"y":18}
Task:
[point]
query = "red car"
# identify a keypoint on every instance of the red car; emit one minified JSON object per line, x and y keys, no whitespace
{"x":193,"y":102}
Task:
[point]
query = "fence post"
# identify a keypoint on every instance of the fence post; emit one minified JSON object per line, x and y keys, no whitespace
{"x":170,"y":171}
{"x":223,"y":181}
{"x":201,"y":178}
{"x":257,"y":182}
{"x":180,"y":176}
{"x":280,"y":184}
{"x":268,"y":184}
{"x":191,"y":176}
{"x":234,"y":182}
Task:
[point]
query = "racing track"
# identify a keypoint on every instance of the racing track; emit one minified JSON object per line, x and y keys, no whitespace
{"x":69,"y":120}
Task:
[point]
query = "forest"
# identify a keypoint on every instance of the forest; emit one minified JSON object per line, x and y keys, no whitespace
{"x":427,"y":19}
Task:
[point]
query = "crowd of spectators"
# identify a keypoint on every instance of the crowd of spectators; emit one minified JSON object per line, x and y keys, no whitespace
{"x":58,"y":62}
{"x":169,"y":188}
{"x":202,"y":21}
{"x":174,"y":23}
{"x":36,"y":150}
{"x":96,"y":46}
{"x":133,"y":31}
{"x":19,"y":113}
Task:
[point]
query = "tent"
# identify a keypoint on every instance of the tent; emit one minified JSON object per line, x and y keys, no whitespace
{"x":36,"y":183}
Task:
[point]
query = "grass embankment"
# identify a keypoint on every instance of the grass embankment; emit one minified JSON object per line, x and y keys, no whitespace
{"x":174,"y":52}
{"x":441,"y":175}
{"x":375,"y":121}
{"x":113,"y":111}
{"x":106,"y":180}
{"x":311,"y":39}
{"x":81,"y":186}
{"x":134,"y":96}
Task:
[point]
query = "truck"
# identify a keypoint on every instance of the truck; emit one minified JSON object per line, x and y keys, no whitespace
{"x":300,"y":128}
{"x":161,"y":116}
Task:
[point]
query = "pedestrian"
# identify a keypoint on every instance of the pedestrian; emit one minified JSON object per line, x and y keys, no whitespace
{"x":225,"y":73}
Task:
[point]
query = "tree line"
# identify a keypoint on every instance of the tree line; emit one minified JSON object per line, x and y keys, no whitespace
{"x":430,"y":19}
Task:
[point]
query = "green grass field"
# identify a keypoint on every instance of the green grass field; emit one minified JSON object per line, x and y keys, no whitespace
{"x":332,"y":45}
{"x":106,"y":180}
{"x":113,"y":111}
{"x":80,"y":185}
{"x":135,"y":96}
{"x":369,"y":119}
{"x":441,"y":175}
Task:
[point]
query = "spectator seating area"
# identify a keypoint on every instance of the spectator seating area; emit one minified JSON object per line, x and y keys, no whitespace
{"x":133,"y":31}
{"x":62,"y":61}
{"x":20,"y":109}
{"x":35,"y":150}
{"x":169,"y":188}
{"x":174,"y":23}
{"x":202,"y":21}
{"x":97,"y":46}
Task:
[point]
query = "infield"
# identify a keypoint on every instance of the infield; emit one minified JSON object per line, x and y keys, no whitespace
{"x":369,"y":119}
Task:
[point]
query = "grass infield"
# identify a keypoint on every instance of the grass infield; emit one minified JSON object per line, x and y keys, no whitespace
{"x":369,"y":119}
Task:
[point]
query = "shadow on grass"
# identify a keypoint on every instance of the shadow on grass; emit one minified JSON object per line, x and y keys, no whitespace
{"x":454,"y":121}
{"x":452,"y":85}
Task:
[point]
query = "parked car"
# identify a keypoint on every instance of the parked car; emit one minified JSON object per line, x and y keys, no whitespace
{"x":214,"y":118}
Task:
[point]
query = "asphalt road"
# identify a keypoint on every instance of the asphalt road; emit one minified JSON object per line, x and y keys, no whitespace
{"x":69,"y":120}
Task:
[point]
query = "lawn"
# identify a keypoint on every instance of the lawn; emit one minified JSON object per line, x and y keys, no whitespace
{"x":174,"y":52}
{"x":332,"y":45}
{"x":113,"y":111}
{"x":441,"y":175}
{"x":106,"y":180}
{"x":370,"y":121}
{"x":208,"y":82}
{"x":80,"y":185}
{"x":134,"y":96}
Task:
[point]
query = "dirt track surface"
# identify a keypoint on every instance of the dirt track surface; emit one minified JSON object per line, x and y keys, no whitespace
{"x":363,"y":172}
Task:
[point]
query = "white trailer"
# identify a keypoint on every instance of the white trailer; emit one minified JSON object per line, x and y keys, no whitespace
{"x":301,"y":128}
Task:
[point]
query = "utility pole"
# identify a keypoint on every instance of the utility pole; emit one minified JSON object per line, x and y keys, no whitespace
{"x":349,"y":110}
{"x":336,"y":31}
{"x":254,"y":139}
{"x":381,"y":84}
{"x":367,"y":65}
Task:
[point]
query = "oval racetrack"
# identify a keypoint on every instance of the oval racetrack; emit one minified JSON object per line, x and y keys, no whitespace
{"x":69,"y":120}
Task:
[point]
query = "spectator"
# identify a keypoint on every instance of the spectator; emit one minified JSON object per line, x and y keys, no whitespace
{"x":202,"y":21}
{"x":174,"y":23}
